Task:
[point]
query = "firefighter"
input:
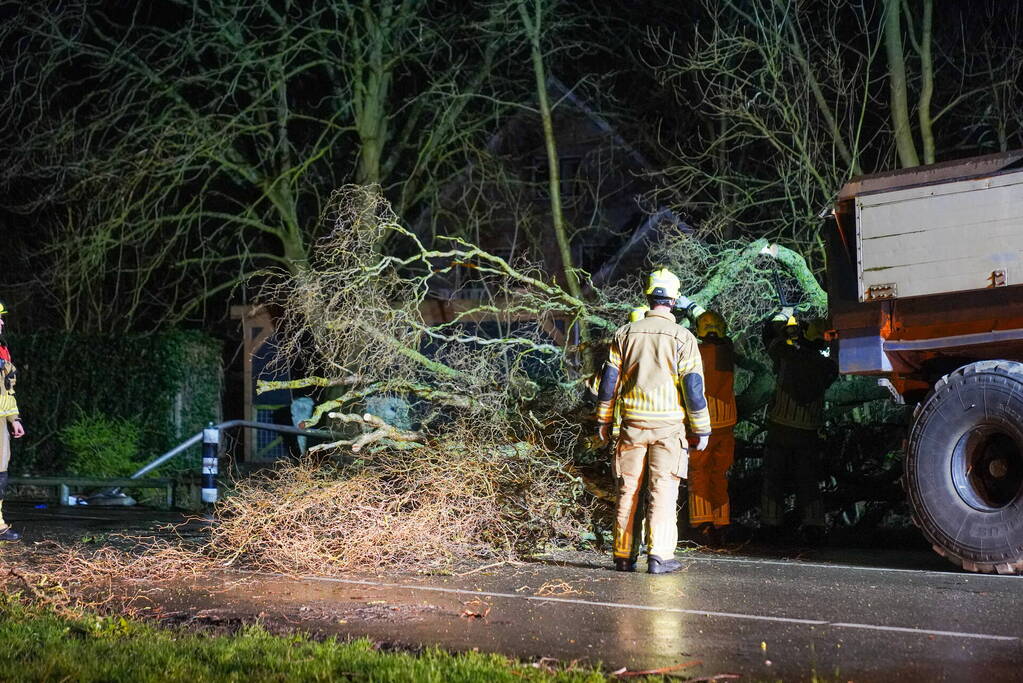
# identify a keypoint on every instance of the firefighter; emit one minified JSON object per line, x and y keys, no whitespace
{"x":638,"y":313}
{"x":708,"y":470}
{"x":654,"y":376}
{"x":640,"y":533}
{"x":792,"y":449}
{"x":11,"y":420}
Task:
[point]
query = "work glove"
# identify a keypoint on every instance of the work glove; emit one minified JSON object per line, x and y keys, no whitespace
{"x":701,"y":445}
{"x":604,"y":433}
{"x":689,"y":307}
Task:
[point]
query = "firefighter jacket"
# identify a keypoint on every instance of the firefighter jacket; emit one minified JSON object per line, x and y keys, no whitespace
{"x":8,"y":377}
{"x":719,"y":381}
{"x":802,"y":375}
{"x":654,"y":376}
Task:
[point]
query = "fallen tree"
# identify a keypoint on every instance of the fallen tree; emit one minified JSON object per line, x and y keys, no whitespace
{"x":493,"y":460}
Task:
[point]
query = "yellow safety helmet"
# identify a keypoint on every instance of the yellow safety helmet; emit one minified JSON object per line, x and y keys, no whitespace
{"x":663,"y":283}
{"x":638,"y":313}
{"x":3,"y":309}
{"x":792,"y":330}
{"x":711,"y":323}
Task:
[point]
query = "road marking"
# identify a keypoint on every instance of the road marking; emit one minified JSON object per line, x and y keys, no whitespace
{"x":653,"y":608}
{"x":902,"y":629}
{"x":952,"y":572}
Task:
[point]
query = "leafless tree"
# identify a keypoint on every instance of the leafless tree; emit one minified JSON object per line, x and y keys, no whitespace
{"x":792,"y":99}
{"x":184,"y":145}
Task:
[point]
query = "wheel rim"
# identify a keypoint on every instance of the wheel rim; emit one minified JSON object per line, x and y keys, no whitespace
{"x":987,"y":468}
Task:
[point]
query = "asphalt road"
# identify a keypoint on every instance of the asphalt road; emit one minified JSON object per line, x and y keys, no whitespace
{"x":760,"y":618}
{"x":849,"y":615}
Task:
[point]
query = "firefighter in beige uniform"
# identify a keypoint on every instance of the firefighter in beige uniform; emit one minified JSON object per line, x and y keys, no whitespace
{"x":10,"y":419}
{"x":655,"y":377}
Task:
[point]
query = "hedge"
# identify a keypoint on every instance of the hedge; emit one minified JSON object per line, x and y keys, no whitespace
{"x":168,"y":383}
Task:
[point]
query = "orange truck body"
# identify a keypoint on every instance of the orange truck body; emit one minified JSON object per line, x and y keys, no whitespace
{"x":912,"y":340}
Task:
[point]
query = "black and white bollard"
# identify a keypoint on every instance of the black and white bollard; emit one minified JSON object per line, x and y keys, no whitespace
{"x":210,"y":466}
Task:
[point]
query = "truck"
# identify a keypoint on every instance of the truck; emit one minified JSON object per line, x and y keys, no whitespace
{"x":925,"y":285}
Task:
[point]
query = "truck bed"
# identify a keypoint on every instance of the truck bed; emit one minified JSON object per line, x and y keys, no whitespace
{"x":940,"y":238}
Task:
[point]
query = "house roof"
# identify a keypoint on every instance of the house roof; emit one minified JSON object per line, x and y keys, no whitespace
{"x":566,"y":93}
{"x":632,"y":255}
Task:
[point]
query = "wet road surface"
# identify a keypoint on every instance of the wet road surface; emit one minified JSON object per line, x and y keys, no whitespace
{"x":841,"y":615}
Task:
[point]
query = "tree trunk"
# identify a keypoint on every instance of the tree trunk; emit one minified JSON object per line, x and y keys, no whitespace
{"x":372,"y":89}
{"x":897,"y":85}
{"x":927,"y":83}
{"x":532,"y":25}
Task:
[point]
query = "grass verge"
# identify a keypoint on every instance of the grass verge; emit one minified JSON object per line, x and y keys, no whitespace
{"x":39,"y":644}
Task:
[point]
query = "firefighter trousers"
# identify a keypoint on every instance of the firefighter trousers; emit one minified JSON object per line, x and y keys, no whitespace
{"x":791,"y":454}
{"x":708,"y":480}
{"x":5,"y":459}
{"x":655,"y":457}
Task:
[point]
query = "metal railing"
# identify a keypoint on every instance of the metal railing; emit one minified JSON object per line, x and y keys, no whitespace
{"x":210,"y":438}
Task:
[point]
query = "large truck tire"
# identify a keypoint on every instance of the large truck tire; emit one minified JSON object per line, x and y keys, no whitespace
{"x":964,"y":467}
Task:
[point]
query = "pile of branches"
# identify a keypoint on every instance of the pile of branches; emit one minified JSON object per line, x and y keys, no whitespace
{"x":444,"y":504}
{"x":480,"y":464}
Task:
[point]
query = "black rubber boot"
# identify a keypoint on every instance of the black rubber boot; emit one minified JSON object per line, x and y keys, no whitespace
{"x":625,"y":564}
{"x":7,"y":534}
{"x":656,"y":565}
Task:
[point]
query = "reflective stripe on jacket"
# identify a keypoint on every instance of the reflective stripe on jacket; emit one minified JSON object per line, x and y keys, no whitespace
{"x":651,"y":360}
{"x":719,"y":377}
{"x":802,"y":376}
{"x":8,"y":375}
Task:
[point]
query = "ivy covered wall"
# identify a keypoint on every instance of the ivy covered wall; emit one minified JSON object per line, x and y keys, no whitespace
{"x":169,"y":384}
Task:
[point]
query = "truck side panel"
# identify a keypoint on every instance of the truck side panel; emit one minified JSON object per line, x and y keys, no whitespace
{"x":940,"y":238}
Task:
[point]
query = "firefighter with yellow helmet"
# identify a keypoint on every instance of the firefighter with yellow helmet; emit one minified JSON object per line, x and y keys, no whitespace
{"x":11,"y":421}
{"x":639,"y":534}
{"x":796,"y":414}
{"x":654,"y":376}
{"x":709,"y":510}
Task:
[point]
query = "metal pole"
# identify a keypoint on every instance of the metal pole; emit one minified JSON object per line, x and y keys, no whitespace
{"x":210,"y":465}
{"x":231,"y":424}
{"x":181,"y":447}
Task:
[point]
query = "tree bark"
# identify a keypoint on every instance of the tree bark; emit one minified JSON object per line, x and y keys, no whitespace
{"x":897,"y":85}
{"x":533,"y":30}
{"x":927,"y":83}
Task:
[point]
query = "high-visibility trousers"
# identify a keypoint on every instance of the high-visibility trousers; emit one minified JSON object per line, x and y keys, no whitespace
{"x":5,"y":445}
{"x":5,"y":459}
{"x":708,"y":479}
{"x":658,"y":458}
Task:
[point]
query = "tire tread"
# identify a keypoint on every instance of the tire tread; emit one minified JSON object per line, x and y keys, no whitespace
{"x":1009,"y":370}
